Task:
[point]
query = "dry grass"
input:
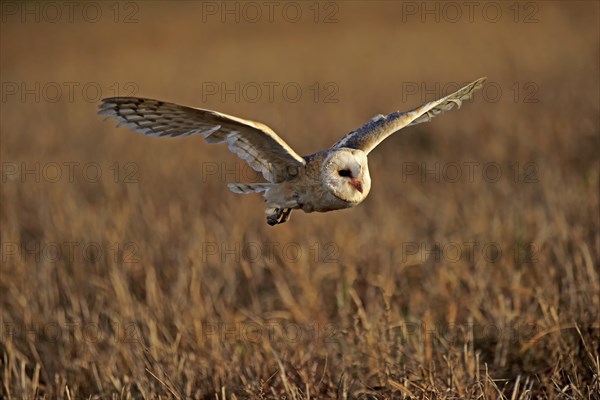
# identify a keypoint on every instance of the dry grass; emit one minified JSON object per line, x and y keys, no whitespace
{"x":164,"y":293}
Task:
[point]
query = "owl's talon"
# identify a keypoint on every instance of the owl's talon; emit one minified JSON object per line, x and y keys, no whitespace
{"x":285,"y":215}
{"x":273,"y":219}
{"x":280,"y":216}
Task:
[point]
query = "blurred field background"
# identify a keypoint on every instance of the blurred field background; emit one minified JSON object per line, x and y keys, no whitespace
{"x":154,"y":281}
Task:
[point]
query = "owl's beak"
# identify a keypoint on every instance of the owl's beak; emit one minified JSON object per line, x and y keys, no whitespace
{"x":357,"y":185}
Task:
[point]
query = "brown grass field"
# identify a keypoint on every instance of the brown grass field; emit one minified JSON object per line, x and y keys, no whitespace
{"x":128,"y":269}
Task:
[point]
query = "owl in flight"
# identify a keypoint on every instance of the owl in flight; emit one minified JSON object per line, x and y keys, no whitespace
{"x":332,"y":179}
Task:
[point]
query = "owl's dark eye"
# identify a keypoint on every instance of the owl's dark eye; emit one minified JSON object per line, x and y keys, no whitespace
{"x":345,"y":172}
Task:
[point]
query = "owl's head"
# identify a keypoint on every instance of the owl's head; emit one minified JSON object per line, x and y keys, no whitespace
{"x":346,"y":175}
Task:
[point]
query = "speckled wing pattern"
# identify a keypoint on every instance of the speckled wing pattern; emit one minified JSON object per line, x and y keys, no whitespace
{"x":253,"y":142}
{"x":375,"y":131}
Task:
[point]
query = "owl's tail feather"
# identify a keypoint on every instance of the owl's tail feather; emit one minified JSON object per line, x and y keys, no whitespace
{"x":245,"y":188}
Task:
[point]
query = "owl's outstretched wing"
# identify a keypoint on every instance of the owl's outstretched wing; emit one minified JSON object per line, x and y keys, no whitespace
{"x":253,"y":142}
{"x":375,"y":131}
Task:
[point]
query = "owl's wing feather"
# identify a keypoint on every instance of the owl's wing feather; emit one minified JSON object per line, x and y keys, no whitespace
{"x":253,"y":142}
{"x":377,"y":129}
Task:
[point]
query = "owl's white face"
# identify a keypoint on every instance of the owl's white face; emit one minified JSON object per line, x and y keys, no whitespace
{"x":346,"y":175}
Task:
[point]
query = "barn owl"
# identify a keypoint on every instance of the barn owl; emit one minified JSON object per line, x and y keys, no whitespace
{"x":332,"y":179}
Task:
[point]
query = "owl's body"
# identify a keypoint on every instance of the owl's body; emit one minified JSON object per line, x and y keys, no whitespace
{"x":332,"y":179}
{"x":304,"y":189}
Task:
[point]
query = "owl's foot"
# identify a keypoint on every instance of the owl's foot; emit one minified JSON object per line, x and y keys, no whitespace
{"x":285,"y":216}
{"x":280,"y":216}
